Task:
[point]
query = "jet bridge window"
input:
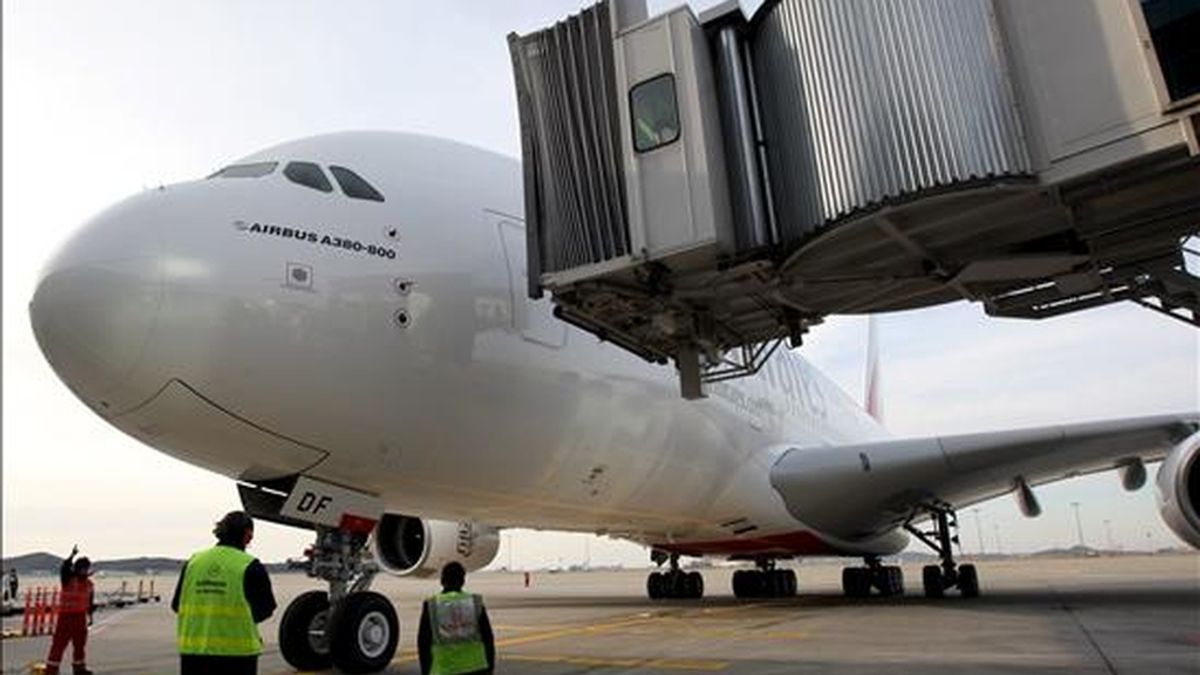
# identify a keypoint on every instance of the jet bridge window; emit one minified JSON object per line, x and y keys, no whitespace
{"x":1174,"y":27}
{"x":354,"y":185}
{"x":308,"y":175}
{"x":655,"y":113}
{"x":254,"y":170}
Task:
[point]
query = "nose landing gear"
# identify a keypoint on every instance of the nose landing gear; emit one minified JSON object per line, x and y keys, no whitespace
{"x":348,"y":627}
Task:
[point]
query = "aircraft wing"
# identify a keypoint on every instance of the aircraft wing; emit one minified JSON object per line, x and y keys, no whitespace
{"x":856,"y":491}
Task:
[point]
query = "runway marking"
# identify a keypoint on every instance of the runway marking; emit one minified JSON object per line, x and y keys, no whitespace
{"x":604,"y":627}
{"x":633,"y":662}
{"x":1108,"y":664}
{"x":100,"y":626}
{"x":641,"y":618}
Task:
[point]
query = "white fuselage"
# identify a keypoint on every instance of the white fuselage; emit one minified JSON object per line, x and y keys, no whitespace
{"x":261,"y":328}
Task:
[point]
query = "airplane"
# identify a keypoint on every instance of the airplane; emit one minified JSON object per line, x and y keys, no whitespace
{"x":339,"y":324}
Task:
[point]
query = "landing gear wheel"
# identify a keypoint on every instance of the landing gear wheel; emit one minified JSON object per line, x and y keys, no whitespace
{"x":302,"y":637}
{"x":931,"y":579}
{"x":790,"y":585}
{"x":655,"y":588}
{"x":365,"y":633}
{"x":889,"y":579}
{"x":968,"y":581}
{"x":695,"y":585}
{"x":739,"y":584}
{"x":856,"y":582}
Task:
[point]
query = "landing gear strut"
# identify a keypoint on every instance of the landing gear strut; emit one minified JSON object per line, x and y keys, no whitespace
{"x":764,"y":582}
{"x":857,"y":582}
{"x":349,"y":627}
{"x":950,"y":574}
{"x":674,"y":584}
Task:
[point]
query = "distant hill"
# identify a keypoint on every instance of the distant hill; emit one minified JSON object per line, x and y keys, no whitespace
{"x":47,"y":564}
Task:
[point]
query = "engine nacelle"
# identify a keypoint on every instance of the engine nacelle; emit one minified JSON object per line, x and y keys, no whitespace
{"x":408,"y":546}
{"x":1178,"y":486}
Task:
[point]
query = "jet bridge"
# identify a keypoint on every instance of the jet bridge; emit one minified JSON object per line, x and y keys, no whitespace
{"x":700,"y":189}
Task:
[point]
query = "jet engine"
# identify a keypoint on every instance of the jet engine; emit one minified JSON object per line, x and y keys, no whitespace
{"x":408,"y":546}
{"x":1179,"y":490}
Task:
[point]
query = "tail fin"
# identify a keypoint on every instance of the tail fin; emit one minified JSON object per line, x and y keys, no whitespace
{"x":873,"y":397}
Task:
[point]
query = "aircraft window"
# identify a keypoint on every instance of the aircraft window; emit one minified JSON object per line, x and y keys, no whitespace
{"x":655,"y":113}
{"x":255,"y":170}
{"x":1173,"y":25}
{"x":308,"y":175}
{"x":354,"y":185}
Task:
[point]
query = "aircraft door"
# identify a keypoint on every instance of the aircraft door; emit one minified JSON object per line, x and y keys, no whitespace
{"x":534,"y":319}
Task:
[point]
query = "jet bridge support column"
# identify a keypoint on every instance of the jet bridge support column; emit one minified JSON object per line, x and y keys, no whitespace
{"x":741,"y":142}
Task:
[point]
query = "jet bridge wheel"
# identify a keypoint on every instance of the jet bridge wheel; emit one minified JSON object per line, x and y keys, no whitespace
{"x":365,"y":633}
{"x":302,"y":637}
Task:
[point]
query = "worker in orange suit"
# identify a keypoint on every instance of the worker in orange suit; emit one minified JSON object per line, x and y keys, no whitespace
{"x":76,"y":605}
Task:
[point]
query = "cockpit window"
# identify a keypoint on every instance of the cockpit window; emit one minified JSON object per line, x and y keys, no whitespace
{"x":354,"y":185}
{"x":308,"y":175}
{"x":255,"y":170}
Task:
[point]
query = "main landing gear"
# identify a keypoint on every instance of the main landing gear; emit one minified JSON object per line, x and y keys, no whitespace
{"x":764,"y":582}
{"x":674,"y":584}
{"x":937,"y":579}
{"x":348,"y":627}
{"x":857,"y":582}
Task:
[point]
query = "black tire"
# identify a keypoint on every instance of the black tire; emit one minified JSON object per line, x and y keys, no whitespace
{"x":889,"y":579}
{"x":677,"y":585}
{"x":778,"y":583}
{"x":301,"y":647}
{"x":365,"y":633}
{"x":654,"y":586}
{"x":792,"y":585}
{"x":856,"y":582}
{"x":931,"y":579}
{"x":968,"y":581}
{"x":739,"y":583}
{"x":897,"y":580}
{"x":695,"y":585}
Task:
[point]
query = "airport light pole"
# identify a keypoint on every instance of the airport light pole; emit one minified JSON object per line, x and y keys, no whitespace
{"x":1078,"y":524}
{"x":979,"y":531}
{"x":1108,"y":534}
{"x":999,"y":545}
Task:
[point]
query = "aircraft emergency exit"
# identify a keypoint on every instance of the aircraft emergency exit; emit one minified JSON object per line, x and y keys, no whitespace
{"x":340,"y":325}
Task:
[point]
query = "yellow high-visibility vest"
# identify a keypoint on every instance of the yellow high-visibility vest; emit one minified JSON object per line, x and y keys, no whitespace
{"x":457,"y":645}
{"x":214,"y":615}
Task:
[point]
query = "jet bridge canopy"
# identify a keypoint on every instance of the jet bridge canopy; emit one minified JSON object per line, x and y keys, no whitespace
{"x":700,"y":188}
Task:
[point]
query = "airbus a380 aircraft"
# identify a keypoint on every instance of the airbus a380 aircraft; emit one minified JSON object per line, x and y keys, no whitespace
{"x":339,"y":324}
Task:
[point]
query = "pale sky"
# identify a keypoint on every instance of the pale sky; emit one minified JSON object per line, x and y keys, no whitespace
{"x":102,"y":100}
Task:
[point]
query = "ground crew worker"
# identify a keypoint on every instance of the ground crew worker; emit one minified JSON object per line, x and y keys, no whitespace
{"x":76,"y":604}
{"x":455,"y":636}
{"x":223,"y":592}
{"x":13,"y":584}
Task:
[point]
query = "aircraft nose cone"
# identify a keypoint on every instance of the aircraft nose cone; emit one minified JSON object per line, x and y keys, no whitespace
{"x":96,"y":305}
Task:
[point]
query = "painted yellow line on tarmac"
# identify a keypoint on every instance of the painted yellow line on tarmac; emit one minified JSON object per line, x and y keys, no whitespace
{"x":641,"y":618}
{"x":708,"y":665}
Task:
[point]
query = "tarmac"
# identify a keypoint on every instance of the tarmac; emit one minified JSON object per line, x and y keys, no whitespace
{"x":1117,"y":614}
